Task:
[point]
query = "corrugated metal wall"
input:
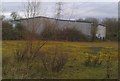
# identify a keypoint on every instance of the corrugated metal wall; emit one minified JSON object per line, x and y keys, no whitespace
{"x":40,"y":23}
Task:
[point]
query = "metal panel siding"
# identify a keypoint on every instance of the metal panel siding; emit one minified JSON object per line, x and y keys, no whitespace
{"x":38,"y":25}
{"x":85,"y":28}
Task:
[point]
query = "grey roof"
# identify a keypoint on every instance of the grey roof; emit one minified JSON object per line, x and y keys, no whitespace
{"x":55,"y":19}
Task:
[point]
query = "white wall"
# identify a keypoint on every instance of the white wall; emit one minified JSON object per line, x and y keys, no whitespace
{"x":101,"y":32}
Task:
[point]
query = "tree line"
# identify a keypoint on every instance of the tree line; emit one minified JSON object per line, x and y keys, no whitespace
{"x":12,"y":33}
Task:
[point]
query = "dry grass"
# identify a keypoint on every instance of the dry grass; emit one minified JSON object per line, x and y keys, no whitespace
{"x":73,"y":68}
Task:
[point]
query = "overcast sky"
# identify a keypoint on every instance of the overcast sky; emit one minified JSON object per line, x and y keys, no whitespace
{"x":72,"y":10}
{"x":63,"y":0}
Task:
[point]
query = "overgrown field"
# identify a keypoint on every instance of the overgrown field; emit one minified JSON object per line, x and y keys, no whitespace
{"x":85,"y":60}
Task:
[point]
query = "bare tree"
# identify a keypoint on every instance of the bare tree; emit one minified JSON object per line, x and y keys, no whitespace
{"x":58,"y":12}
{"x":2,"y":17}
{"x":32,"y":10}
{"x":15,"y":15}
{"x":111,"y":33}
{"x":95,"y":22}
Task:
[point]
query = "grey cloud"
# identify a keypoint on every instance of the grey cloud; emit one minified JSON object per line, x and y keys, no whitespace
{"x":78,"y":10}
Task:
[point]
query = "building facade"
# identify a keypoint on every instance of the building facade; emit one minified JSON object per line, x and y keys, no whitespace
{"x":39,"y":23}
{"x":101,"y":32}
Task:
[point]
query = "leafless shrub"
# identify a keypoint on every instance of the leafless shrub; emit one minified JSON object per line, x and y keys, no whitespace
{"x":108,"y":75}
{"x":59,"y":60}
{"x":30,"y":50}
{"x":66,"y":34}
{"x":92,"y":60}
{"x":108,"y":64}
{"x":54,"y":59}
{"x":27,"y":53}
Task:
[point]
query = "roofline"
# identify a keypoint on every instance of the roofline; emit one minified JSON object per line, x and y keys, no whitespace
{"x":101,"y":24}
{"x":55,"y":19}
